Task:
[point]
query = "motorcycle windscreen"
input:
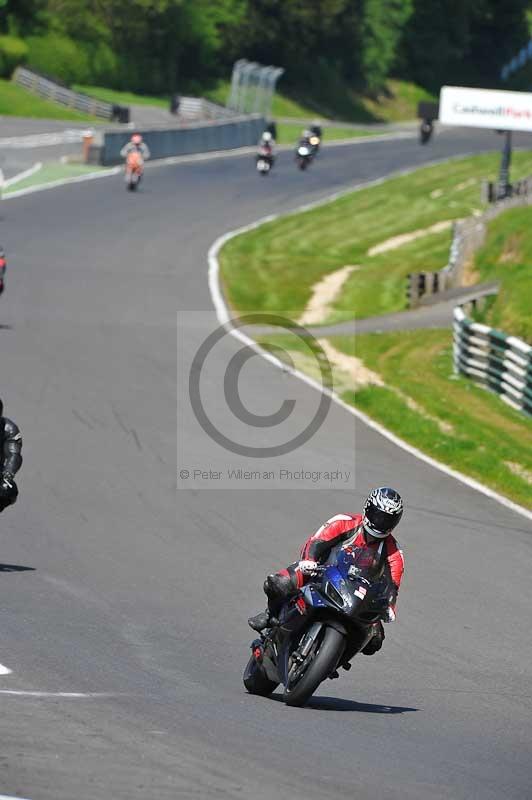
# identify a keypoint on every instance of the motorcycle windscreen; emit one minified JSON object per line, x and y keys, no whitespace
{"x":359,"y":561}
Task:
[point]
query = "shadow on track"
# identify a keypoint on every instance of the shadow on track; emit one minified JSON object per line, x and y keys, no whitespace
{"x":15,"y":568}
{"x":339,"y":704}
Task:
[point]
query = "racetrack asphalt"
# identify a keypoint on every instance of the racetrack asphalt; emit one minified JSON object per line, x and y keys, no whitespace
{"x":115,"y":586}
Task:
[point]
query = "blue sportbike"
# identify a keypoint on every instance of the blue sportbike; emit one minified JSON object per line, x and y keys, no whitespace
{"x":323,"y":626}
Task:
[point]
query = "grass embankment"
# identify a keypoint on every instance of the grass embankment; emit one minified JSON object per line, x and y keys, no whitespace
{"x":121,"y":98}
{"x":457,"y":422}
{"x":448,"y":417}
{"x":15,"y":101}
{"x":398,"y":102}
{"x":288,"y":256}
{"x":507,"y":257}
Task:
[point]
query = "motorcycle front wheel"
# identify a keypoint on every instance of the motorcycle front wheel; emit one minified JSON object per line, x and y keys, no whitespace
{"x":323,"y":660}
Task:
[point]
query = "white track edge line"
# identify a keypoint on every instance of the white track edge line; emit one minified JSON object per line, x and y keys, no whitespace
{"x":77,"y":695}
{"x":41,"y":187}
{"x":27,"y":173}
{"x":11,"y":797}
{"x":224,"y":318}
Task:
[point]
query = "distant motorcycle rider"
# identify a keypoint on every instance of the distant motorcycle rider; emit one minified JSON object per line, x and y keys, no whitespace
{"x":266,"y":144}
{"x":10,"y":459}
{"x":136,"y":143}
{"x":382,"y":512}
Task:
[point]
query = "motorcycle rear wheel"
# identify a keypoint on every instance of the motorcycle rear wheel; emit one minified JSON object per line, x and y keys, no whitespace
{"x":323,"y":663}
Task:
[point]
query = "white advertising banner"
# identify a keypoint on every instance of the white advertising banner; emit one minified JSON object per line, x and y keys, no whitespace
{"x":486,"y":108}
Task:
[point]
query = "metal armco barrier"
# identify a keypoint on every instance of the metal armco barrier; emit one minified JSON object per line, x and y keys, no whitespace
{"x":468,"y":236}
{"x":164,"y":143}
{"x":199,"y":108}
{"x":499,"y":362}
{"x":520,"y":188}
{"x":59,"y":94}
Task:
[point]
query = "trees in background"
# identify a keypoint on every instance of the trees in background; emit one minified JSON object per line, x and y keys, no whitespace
{"x":164,"y":45}
{"x":462,"y":41}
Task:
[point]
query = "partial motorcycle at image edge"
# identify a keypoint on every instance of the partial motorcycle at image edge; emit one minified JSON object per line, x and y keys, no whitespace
{"x":323,"y":627}
{"x":3,"y":265}
{"x":134,"y":170}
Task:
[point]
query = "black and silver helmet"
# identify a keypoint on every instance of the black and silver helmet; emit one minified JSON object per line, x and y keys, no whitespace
{"x":382,"y":512}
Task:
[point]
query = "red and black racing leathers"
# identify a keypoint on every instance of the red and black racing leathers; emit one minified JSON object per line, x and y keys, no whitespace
{"x":340,"y":529}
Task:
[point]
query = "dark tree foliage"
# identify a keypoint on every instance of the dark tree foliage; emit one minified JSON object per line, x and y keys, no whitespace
{"x":464,"y":42}
{"x":323,"y":45}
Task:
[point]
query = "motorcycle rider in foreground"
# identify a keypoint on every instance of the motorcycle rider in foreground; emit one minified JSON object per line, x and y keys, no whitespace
{"x":10,"y":459}
{"x":136,"y":143}
{"x":382,"y":512}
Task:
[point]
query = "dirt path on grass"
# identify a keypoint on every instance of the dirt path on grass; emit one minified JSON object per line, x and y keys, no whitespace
{"x":358,"y":375}
{"x":327,"y":289}
{"x":404,"y":238}
{"x":323,"y":294}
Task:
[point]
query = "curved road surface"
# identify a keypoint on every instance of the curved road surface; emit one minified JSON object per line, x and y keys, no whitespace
{"x":134,"y":598}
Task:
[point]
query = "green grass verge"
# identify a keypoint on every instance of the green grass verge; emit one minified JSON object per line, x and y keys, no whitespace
{"x":121,"y":98}
{"x":288,"y":256}
{"x":52,"y":172}
{"x":334,"y":99}
{"x":448,"y":417}
{"x":17,"y":102}
{"x":507,"y":257}
{"x":289,"y":133}
{"x":459,"y":423}
{"x":398,"y":103}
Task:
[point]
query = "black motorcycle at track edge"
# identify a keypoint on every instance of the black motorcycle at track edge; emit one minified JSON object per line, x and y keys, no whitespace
{"x":304,"y":156}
